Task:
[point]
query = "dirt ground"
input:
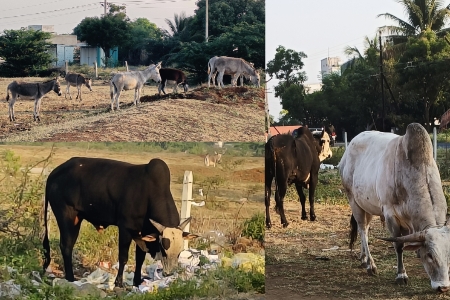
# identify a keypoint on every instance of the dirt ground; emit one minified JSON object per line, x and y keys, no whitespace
{"x":202,"y":114}
{"x":311,"y":260}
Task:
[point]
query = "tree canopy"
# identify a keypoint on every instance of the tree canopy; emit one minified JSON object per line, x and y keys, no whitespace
{"x":25,"y":51}
{"x":106,"y":32}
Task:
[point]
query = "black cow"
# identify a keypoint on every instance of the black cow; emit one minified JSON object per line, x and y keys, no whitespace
{"x":104,"y":192}
{"x":294,"y":160}
{"x":174,"y":75}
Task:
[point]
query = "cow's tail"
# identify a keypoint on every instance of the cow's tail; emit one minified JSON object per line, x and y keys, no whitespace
{"x":209,"y":67}
{"x":7,"y":94}
{"x":353,"y":231}
{"x":45,"y":242}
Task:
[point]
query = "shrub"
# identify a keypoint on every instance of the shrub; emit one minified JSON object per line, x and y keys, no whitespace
{"x":254,"y":227}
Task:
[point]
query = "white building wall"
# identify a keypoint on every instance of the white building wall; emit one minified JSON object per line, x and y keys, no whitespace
{"x":330,"y":65}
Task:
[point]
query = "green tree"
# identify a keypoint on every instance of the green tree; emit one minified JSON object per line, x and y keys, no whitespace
{"x":225,"y":14}
{"x":106,"y":32}
{"x":142,"y":32}
{"x":423,"y":72}
{"x":286,"y":67}
{"x":24,"y":52}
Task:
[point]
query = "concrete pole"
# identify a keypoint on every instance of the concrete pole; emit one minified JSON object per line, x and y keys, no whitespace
{"x":435,"y":143}
{"x":126,"y":65}
{"x":345,"y":139}
{"x":104,"y":4}
{"x":96,"y":71}
{"x":186,"y":199}
{"x":67,"y":67}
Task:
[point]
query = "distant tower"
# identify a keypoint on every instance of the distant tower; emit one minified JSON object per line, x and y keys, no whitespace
{"x":330,"y":65}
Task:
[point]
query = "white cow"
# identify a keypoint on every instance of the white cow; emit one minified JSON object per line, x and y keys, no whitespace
{"x":396,"y":177}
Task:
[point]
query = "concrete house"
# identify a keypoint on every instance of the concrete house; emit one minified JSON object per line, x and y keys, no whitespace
{"x":63,"y":45}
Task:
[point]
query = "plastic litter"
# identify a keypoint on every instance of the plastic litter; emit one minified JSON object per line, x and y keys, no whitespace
{"x":327,"y":167}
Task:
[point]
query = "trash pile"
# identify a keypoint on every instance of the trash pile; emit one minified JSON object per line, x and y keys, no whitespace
{"x":192,"y":263}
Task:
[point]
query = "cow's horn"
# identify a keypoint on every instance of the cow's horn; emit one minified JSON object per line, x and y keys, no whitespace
{"x":184,"y":223}
{"x":158,"y":226}
{"x":410,"y":238}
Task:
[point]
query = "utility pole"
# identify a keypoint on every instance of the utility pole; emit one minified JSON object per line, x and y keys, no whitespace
{"x":381,"y":76}
{"x":206,"y":26}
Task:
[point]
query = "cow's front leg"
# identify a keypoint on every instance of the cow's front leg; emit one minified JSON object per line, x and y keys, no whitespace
{"x":140,"y":257}
{"x":280,"y":192}
{"x":302,"y":197}
{"x":124,"y":245}
{"x":394,"y":228}
{"x":267,"y":200}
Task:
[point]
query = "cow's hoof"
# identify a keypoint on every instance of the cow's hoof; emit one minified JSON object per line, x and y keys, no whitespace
{"x":268,"y":225}
{"x":313,"y":218}
{"x":363,"y":265}
{"x":401,"y":280}
{"x":304,"y":217}
{"x":285,"y":224}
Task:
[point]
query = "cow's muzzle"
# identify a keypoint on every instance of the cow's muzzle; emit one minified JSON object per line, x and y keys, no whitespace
{"x":443,"y":289}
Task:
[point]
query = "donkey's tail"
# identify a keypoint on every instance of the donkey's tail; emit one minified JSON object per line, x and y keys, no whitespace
{"x":113,"y":89}
{"x":45,"y":242}
{"x":353,"y":231}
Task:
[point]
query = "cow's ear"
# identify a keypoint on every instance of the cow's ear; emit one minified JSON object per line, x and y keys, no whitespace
{"x":189,"y":236}
{"x":412,"y":246}
{"x":150,"y":238}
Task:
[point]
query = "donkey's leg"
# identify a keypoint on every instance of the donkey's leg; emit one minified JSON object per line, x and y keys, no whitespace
{"x":12,"y":117}
{"x":68,"y":91}
{"x":37,"y":105}
{"x":117,"y":99}
{"x":79,"y":92}
{"x":220,"y":79}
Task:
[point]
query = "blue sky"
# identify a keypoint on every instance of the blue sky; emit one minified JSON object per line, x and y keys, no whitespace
{"x":67,"y":14}
{"x":320,"y":27}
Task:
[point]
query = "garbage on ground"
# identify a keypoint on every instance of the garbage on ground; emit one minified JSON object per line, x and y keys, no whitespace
{"x":246,"y":261}
{"x":327,"y":167}
{"x":192,"y":262}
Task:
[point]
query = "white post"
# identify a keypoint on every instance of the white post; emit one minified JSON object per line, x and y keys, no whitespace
{"x":435,"y":143}
{"x":345,"y":139}
{"x":126,"y":65}
{"x":186,"y":198}
{"x":96,"y":72}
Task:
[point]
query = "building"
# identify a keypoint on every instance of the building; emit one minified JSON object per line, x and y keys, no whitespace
{"x":63,"y":45}
{"x":312,"y":87}
{"x":90,"y":54}
{"x":330,"y":65}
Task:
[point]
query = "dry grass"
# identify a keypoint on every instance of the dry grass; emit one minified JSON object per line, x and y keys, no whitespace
{"x":205,"y":115}
{"x":298,"y":267}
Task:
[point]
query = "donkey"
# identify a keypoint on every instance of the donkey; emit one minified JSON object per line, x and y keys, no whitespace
{"x":212,"y":73}
{"x":132,"y":80}
{"x":234,"y":66}
{"x":77,"y":80}
{"x":34,"y":91}
{"x":174,"y":75}
{"x":215,"y":159}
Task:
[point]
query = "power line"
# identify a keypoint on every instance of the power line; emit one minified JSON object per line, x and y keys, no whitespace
{"x":45,"y":12}
{"x":40,"y":18}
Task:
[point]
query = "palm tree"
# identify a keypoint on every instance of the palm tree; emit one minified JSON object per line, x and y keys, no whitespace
{"x":422,"y":15}
{"x":178,"y":27}
{"x":369,"y":56}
